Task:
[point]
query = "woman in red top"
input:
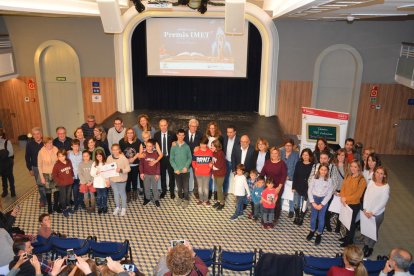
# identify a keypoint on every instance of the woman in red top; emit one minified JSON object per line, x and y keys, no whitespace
{"x":277,"y":170}
{"x":219,"y":171}
{"x":353,"y":260}
{"x":62,"y":174}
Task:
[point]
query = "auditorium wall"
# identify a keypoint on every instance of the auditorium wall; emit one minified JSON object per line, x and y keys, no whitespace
{"x":300,"y":44}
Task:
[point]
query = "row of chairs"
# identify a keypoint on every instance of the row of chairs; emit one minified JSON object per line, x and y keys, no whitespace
{"x":58,"y":247}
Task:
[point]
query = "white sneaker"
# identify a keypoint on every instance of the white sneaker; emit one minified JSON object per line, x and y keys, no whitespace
{"x":116,"y":211}
{"x":123,"y":212}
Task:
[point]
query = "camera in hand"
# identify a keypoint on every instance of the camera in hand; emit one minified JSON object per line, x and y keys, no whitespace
{"x":71,"y":257}
{"x":176,"y":242}
{"x":100,"y":261}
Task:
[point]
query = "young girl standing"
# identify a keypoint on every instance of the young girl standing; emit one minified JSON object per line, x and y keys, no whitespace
{"x":86,"y":182}
{"x":63,"y":175}
{"x":240,"y":190}
{"x":100,"y":183}
{"x":319,"y":193}
{"x":219,"y":172}
{"x":118,"y":183}
{"x":269,"y":199}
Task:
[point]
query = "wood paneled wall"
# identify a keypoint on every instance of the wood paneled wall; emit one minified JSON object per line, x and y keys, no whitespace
{"x":105,"y":108}
{"x":292,"y":96}
{"x":19,"y":116}
{"x":23,"y":115}
{"x":374,"y":127}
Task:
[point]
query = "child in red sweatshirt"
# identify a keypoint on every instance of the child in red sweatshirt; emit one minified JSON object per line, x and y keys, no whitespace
{"x":63,"y":175}
{"x":150,"y":173}
{"x":202,"y":164}
{"x":269,"y":198}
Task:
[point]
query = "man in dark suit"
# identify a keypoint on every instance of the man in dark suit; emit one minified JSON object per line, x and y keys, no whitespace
{"x":244,"y":154}
{"x":230,"y":142}
{"x":192,"y":138}
{"x":165,"y":137}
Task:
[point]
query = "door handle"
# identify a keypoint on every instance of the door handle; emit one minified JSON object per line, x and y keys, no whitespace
{"x":395,"y":125}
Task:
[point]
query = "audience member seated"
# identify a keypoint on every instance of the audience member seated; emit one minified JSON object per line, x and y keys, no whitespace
{"x":7,"y":220}
{"x":399,"y":262}
{"x":353,"y":260}
{"x":45,"y":229}
{"x":6,"y":254}
{"x":22,"y":249}
{"x":181,"y":260}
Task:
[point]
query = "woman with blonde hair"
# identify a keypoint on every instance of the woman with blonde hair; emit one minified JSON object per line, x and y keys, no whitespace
{"x":261,"y":153}
{"x":354,"y":265}
{"x":351,"y":193}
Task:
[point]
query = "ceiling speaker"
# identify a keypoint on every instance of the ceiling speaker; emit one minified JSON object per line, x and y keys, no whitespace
{"x":110,"y":16}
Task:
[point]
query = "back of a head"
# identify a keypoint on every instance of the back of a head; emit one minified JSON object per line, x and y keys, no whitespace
{"x":105,"y":271}
{"x":402,"y":259}
{"x":180,"y":260}
{"x":354,"y":256}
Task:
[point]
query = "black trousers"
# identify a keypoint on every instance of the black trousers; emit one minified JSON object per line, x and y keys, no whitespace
{"x":166,"y":166}
{"x":351,"y":233}
{"x":8,"y":176}
{"x":132,"y":181}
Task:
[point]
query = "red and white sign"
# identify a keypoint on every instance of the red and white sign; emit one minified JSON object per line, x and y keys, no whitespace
{"x":31,"y":85}
{"x":374,"y":91}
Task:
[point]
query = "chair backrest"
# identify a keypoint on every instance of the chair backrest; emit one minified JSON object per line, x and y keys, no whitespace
{"x":208,"y":256}
{"x":237,"y":261}
{"x":41,"y":245}
{"x":319,"y":266}
{"x":61,"y":245}
{"x":374,"y":267}
{"x":115,"y":250}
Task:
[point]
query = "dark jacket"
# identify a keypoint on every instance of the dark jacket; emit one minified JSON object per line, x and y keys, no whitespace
{"x":249,"y":162}
{"x":32,"y":150}
{"x":275,"y":265}
{"x":63,"y":145}
{"x":26,"y":269}
{"x":196,"y":143}
{"x":235,"y":145}
{"x":171,"y":137}
{"x":7,"y":221}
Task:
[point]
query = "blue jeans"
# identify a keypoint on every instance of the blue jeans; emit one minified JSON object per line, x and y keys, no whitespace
{"x":258,"y":210}
{"x":268,"y":215}
{"x":101,"y":198}
{"x":77,"y":196}
{"x":318,"y":214}
{"x":40,"y":186}
{"x":119,"y":193}
{"x":298,"y":200}
{"x":227,"y":177}
{"x":239,"y":206}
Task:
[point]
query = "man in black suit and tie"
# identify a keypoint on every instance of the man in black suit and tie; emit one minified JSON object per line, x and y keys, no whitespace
{"x":192,"y":138}
{"x":165,"y":137}
{"x":244,"y":154}
{"x":230,"y":142}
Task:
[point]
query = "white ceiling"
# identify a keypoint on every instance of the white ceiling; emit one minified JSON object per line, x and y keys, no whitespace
{"x":293,"y":9}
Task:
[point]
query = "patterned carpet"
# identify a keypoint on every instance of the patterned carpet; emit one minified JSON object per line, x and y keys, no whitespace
{"x":150,"y":229}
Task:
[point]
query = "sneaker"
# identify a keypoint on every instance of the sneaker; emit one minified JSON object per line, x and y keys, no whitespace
{"x":178,"y":201}
{"x":290,"y":215}
{"x":207,"y":203}
{"x":99,"y":210}
{"x":146,"y":201}
{"x":185,"y":203}
{"x":66,"y":213}
{"x":220,"y":207}
{"x":199,"y":202}
{"x":217,"y":204}
{"x":157,"y":203}
{"x":233,"y":218}
{"x":123,"y":212}
{"x":162,"y":195}
{"x":116,"y":211}
{"x":71,"y":211}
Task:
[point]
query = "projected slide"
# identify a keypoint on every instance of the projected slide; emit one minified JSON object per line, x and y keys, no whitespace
{"x":194,"y":47}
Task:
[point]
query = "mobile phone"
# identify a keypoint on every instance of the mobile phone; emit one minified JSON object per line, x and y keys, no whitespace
{"x":71,"y":256}
{"x":100,"y":261}
{"x":129,"y":267}
{"x":176,"y":242}
{"x":28,"y":256}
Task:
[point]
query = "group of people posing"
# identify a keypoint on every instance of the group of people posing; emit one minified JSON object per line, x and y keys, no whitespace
{"x":67,"y":168}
